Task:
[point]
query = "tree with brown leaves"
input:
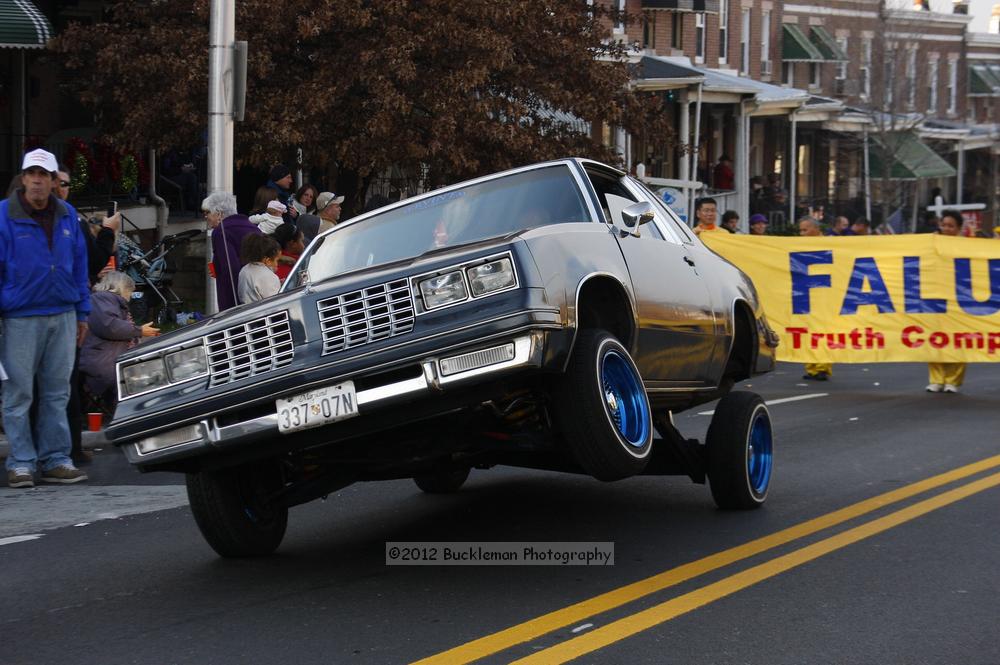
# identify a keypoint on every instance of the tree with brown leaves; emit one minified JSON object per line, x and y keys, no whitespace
{"x":449,"y":89}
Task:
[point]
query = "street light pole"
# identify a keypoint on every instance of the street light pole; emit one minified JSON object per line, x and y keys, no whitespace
{"x":222,"y":33}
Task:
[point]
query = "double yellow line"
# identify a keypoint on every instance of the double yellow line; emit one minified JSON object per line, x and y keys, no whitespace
{"x":645,"y":619}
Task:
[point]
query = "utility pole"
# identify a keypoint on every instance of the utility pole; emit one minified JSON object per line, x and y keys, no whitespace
{"x":222,"y":34}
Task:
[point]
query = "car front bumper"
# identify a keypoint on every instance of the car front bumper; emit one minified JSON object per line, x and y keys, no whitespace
{"x":439,"y":374}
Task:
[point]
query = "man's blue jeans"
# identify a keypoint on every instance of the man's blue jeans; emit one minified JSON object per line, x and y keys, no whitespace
{"x":42,"y":347}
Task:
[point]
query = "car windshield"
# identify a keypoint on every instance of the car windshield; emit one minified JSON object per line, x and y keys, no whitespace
{"x":490,"y":209}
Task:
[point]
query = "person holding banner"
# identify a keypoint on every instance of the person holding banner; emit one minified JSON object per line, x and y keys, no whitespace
{"x":809,"y":227}
{"x":947,"y":377}
{"x":706,"y":211}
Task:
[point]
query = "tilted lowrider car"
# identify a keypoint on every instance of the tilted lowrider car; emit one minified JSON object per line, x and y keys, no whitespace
{"x":550,"y":316}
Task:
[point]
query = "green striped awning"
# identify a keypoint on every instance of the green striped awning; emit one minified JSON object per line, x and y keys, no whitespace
{"x":982,"y":81}
{"x":796,"y":47}
{"x":826,"y":44}
{"x":23,"y":25}
{"x":909,"y":158}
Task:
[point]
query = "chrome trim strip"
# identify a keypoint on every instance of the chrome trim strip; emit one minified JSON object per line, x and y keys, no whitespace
{"x":693,"y":389}
{"x":388,"y":391}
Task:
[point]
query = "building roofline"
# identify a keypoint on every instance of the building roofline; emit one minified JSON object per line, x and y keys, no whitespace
{"x":925,"y":17}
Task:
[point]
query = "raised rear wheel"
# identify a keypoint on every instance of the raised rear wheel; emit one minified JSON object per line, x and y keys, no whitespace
{"x":740,"y":451}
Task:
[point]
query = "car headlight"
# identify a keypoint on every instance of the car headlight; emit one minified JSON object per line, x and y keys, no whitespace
{"x":492,"y":276}
{"x":444,"y":290}
{"x":186,"y":364}
{"x":147,"y":375}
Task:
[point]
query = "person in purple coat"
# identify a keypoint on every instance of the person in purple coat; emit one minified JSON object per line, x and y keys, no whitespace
{"x":228,"y":229}
{"x":110,"y":333}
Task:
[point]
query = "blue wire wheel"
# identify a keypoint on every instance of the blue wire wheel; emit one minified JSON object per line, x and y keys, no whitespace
{"x":625,"y":399}
{"x":760,"y":452}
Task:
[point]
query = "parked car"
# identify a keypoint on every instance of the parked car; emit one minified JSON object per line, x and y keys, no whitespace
{"x":551,"y":316}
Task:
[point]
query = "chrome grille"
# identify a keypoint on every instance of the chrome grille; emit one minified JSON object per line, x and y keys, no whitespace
{"x":250,"y":349}
{"x":367,"y":315}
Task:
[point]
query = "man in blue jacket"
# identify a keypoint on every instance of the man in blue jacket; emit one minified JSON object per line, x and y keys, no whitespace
{"x":44,"y":302}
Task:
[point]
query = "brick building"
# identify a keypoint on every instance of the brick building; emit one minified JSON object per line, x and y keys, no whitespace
{"x":912,"y":88}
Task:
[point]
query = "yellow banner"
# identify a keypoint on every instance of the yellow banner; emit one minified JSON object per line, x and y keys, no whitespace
{"x":862,"y":299}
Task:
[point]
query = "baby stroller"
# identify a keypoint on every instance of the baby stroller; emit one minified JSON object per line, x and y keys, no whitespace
{"x":152,"y":276}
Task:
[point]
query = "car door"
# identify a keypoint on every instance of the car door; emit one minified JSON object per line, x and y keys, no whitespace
{"x":676,"y":338}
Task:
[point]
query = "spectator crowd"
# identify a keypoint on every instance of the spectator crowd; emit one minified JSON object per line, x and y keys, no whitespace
{"x":64,"y":307}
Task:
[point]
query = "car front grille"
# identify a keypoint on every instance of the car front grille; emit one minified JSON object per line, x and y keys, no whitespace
{"x":365,"y":316}
{"x":249,"y":349}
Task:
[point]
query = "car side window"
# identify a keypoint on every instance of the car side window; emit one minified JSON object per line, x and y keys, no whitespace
{"x":610,"y":192}
{"x":615,"y":195}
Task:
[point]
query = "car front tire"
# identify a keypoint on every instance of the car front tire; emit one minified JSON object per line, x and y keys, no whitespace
{"x":231,"y":509}
{"x":602,"y":408}
{"x":740,"y":451}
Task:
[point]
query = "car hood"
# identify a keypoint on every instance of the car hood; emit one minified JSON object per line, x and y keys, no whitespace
{"x":291,"y":300}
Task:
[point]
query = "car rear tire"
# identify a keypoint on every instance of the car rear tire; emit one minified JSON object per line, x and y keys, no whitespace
{"x":740,"y":451}
{"x":443,"y":482}
{"x":602,"y":408}
{"x":231,"y":509}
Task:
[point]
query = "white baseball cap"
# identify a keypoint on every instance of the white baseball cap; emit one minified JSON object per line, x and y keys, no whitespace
{"x":325,"y":199}
{"x":40,"y":158}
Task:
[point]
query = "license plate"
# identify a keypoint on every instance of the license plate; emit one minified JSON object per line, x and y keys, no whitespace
{"x":317,"y":407}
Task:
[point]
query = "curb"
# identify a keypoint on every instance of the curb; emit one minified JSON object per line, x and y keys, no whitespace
{"x":89,"y":441}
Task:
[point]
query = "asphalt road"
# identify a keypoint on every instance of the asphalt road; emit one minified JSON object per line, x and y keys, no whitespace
{"x":850,"y":561}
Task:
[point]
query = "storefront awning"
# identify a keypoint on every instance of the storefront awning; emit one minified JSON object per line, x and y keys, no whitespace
{"x":826,"y":44}
{"x":796,"y":47}
{"x":23,"y":25}
{"x":982,"y":81}
{"x":908,"y":158}
{"x":707,"y":6}
{"x":658,"y":73}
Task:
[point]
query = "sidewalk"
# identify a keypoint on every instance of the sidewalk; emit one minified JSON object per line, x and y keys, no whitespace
{"x":90,"y":440}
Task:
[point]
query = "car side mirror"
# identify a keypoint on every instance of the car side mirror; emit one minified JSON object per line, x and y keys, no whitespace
{"x":636,"y":215}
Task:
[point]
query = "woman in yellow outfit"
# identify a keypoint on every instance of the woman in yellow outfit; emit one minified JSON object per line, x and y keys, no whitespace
{"x":814,"y":371}
{"x":947,"y":377}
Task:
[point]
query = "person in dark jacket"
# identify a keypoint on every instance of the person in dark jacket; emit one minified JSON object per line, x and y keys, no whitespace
{"x":228,"y":229}
{"x":280,"y":178}
{"x":100,"y":236}
{"x":111,"y":332}
{"x":44,"y":303}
